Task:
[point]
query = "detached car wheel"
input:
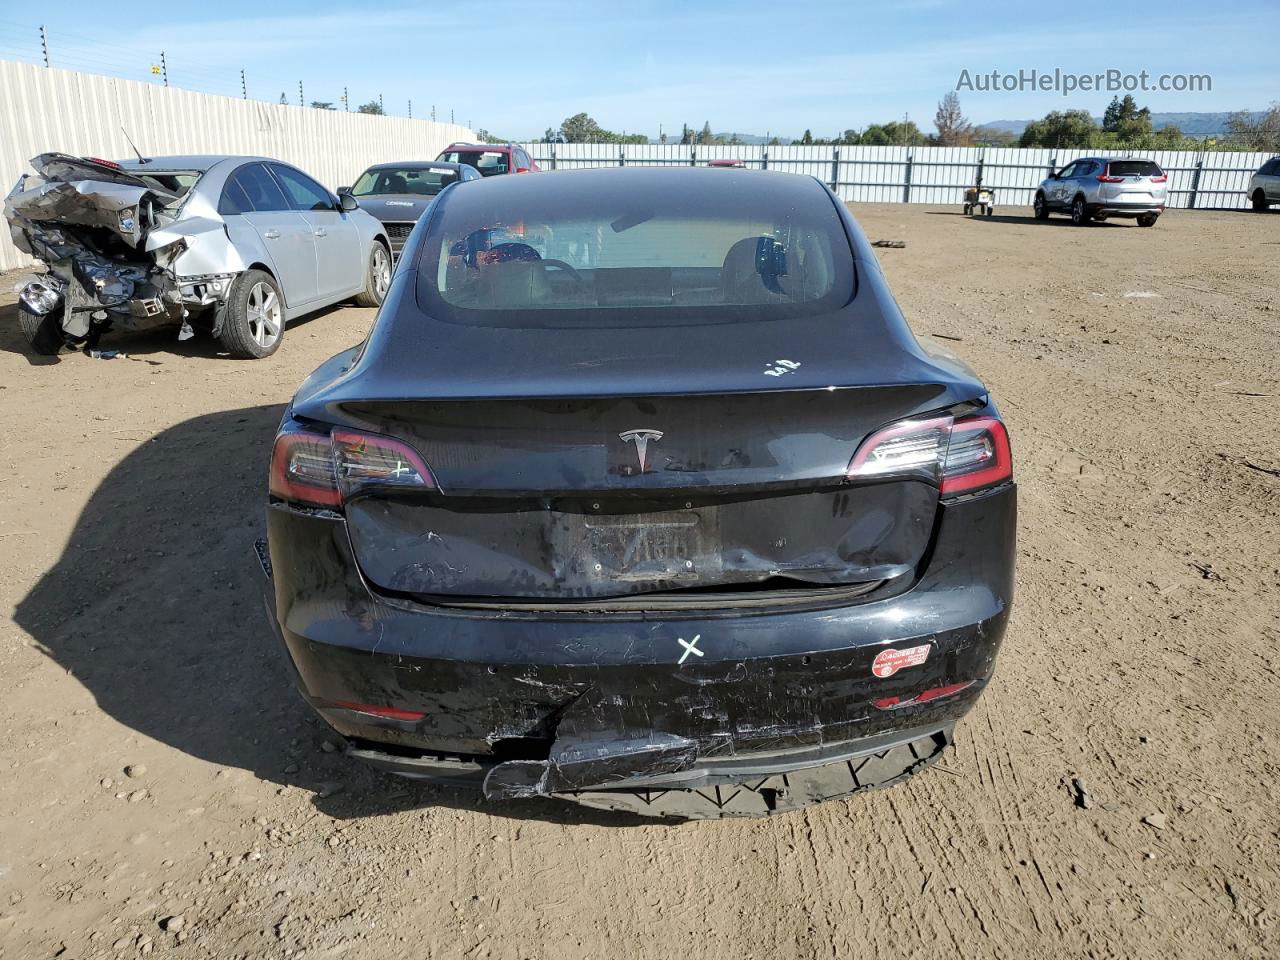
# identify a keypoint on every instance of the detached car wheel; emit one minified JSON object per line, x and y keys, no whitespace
{"x":42,"y":330}
{"x":254,"y":324}
{"x":1040,"y":207}
{"x":1080,"y":213}
{"x":377,"y":277}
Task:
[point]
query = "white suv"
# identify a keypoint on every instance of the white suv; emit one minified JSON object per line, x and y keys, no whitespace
{"x":1264,"y":186}
{"x":1095,"y":188}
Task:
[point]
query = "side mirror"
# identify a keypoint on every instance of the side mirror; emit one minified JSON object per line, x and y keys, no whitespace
{"x":348,"y":202}
{"x":342,"y":190}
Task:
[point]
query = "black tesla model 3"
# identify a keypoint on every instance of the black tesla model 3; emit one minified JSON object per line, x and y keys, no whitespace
{"x":641,"y":493}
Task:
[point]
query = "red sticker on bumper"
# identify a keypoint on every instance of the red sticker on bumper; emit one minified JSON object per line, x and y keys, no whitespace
{"x":889,"y":662}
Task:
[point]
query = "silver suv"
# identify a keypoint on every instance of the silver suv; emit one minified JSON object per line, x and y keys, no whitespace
{"x":1264,"y":186}
{"x":1095,"y":188}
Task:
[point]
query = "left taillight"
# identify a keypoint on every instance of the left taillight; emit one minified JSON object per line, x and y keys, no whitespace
{"x":322,"y":468}
{"x":302,"y":468}
{"x":959,"y":455}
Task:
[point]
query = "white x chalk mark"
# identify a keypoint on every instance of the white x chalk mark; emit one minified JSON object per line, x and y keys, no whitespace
{"x":690,"y":646}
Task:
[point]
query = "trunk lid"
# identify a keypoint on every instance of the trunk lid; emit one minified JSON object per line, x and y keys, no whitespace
{"x":536,"y":440}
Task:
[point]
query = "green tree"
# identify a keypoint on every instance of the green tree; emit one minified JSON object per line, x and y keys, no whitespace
{"x":1126,"y":120}
{"x":284,"y":99}
{"x":580,"y":128}
{"x":1069,"y":128}
{"x":322,"y":104}
{"x":1256,"y":133}
{"x":706,"y":136}
{"x":373,"y":106}
{"x":774,"y":142}
{"x":686,"y":135}
{"x":807,"y":139}
{"x":896,"y":133}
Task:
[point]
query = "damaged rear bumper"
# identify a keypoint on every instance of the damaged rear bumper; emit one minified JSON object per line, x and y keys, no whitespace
{"x":589,"y":706}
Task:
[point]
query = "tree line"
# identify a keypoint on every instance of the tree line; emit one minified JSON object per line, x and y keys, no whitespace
{"x":1124,"y":125}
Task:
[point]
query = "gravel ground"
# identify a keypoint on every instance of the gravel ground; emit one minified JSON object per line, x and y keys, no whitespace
{"x":166,"y":792}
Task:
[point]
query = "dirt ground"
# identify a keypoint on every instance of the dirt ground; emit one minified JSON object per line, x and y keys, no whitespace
{"x":1138,"y":372}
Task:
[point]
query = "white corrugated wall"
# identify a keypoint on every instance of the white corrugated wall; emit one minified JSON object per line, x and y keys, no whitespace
{"x":43,"y":109}
{"x":936,"y":175}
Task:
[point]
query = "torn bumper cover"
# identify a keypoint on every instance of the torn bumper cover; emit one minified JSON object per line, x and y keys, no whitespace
{"x":595,"y":708}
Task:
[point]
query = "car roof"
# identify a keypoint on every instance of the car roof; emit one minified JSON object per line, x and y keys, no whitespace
{"x":462,"y":145}
{"x":420,"y":165}
{"x":200,"y":161}
{"x":727,"y":186}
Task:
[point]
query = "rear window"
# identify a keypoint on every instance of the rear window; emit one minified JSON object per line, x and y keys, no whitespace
{"x":422,"y":183}
{"x":487,"y":162}
{"x":1133,"y":168}
{"x":635,"y":256}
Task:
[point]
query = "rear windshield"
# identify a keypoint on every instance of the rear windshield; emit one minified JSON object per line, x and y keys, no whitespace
{"x":634,"y":257}
{"x":488,"y":162}
{"x":423,"y":183}
{"x":1133,"y":168}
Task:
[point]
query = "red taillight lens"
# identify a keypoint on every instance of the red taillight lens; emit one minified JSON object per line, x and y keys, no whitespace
{"x":960,"y":456}
{"x":912,"y":447}
{"x":368,"y":459}
{"x":302,"y":468}
{"x":318,"y":469}
{"x":1163,"y":178}
{"x":387,"y":713}
{"x":933,"y":693}
{"x":1103,"y":178}
{"x":978,"y":456}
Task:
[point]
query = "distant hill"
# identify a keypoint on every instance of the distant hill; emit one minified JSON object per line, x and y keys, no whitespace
{"x":1192,"y":124}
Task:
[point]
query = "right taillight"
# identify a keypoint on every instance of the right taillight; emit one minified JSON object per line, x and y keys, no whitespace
{"x":978,"y":456}
{"x":959,"y":455}
{"x":318,"y":468}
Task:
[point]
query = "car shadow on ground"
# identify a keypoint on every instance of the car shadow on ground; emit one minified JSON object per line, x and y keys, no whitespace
{"x":148,"y":346}
{"x":156,"y":606}
{"x":1053,"y":221}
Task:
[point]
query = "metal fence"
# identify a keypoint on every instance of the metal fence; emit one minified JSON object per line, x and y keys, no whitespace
{"x":46,"y":109}
{"x":936,"y":175}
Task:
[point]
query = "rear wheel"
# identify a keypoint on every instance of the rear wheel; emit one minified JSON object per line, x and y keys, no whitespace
{"x":254,"y":323}
{"x":1040,"y":207}
{"x":1148,"y":219}
{"x":1259,"y":200}
{"x":1079,"y":213}
{"x":377,"y":277}
{"x":42,"y":330}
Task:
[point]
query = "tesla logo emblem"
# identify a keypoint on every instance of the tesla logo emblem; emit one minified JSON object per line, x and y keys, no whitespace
{"x":642,"y":439}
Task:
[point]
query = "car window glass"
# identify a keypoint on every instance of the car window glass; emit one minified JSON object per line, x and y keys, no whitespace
{"x":233,"y":200}
{"x":1133,"y":168}
{"x":261,"y":188}
{"x":303,"y":192}
{"x":1066,"y":172}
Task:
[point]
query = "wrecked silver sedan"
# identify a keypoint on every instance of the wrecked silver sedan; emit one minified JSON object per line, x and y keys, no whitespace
{"x":231,"y":246}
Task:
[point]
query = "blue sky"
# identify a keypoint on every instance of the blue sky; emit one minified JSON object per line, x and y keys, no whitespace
{"x":751,"y":66}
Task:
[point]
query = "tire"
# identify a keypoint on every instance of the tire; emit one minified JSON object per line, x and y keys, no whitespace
{"x":1041,"y":207}
{"x":1148,"y":219}
{"x":43,"y":331}
{"x":1080,"y":213}
{"x":988,"y":211}
{"x":254,"y":322}
{"x":775,"y":794}
{"x":1259,"y":201}
{"x":377,"y":277}
{"x":967,"y":209}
